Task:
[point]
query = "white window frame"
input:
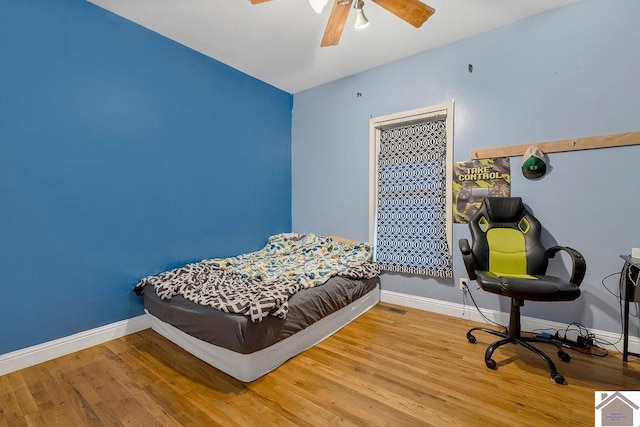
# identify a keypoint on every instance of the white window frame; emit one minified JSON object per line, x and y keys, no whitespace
{"x":376,"y":124}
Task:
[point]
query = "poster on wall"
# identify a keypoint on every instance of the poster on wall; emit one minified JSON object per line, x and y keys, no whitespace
{"x":476,"y":179}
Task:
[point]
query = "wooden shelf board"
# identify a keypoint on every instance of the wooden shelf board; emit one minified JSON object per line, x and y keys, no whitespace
{"x":574,"y":144}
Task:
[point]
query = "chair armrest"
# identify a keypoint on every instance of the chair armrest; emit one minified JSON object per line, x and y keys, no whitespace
{"x":579,"y":264}
{"x":467,"y":257}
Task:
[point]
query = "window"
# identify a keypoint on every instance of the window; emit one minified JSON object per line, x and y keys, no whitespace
{"x":410,"y":191}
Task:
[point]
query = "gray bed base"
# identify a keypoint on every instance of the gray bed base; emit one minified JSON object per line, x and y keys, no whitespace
{"x":249,"y":367}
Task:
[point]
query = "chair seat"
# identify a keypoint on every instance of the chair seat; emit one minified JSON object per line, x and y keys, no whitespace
{"x":533,"y":288}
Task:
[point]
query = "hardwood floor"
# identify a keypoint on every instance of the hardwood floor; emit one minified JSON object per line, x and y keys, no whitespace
{"x":385,"y":368}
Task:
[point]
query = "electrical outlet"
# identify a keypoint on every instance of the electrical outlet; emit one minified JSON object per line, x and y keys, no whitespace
{"x":464,"y":284}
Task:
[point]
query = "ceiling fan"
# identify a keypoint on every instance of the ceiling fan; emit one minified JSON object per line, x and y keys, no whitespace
{"x":413,"y":12}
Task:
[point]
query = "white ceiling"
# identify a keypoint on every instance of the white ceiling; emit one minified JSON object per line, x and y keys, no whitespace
{"x":278,"y":42}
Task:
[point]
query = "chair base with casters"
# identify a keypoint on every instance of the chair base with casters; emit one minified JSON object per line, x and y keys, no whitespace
{"x":507,"y":258}
{"x":512,"y":335}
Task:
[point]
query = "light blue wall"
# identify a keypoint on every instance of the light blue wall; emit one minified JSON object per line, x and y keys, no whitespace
{"x":122,"y":154}
{"x":569,"y":73}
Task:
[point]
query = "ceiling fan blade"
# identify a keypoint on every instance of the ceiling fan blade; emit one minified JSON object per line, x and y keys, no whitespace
{"x":337,"y":20}
{"x":413,"y":12}
{"x":258,"y":1}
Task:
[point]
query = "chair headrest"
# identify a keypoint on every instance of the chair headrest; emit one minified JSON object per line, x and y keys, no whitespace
{"x":504,"y":209}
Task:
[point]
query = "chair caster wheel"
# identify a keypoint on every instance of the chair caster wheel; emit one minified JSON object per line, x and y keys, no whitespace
{"x":563,"y":356}
{"x":558,"y":379}
{"x":471,"y":338}
{"x":491,"y":364}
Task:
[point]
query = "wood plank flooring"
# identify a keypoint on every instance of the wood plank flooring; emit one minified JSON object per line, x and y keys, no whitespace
{"x":385,"y":368}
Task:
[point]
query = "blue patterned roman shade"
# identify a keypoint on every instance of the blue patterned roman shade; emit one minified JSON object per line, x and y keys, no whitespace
{"x":411,"y":217}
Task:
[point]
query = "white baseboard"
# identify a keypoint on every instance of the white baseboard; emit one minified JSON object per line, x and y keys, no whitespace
{"x":30,"y":356}
{"x":469,"y":312}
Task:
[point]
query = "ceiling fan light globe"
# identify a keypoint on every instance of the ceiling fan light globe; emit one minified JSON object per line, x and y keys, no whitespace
{"x":318,"y":5}
{"x":361,"y":20}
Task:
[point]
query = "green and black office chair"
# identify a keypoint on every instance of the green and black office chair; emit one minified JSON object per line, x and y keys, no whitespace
{"x":506,"y":257}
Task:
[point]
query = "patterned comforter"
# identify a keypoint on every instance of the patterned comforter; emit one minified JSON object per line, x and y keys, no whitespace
{"x":259,"y":284}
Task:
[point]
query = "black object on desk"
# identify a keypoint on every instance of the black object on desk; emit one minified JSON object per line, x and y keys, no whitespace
{"x":630,"y":292}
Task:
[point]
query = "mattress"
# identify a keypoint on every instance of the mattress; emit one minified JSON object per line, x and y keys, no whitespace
{"x":249,"y":367}
{"x":238,"y":334}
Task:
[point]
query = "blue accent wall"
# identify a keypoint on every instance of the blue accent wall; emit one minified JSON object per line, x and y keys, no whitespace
{"x":122,"y":154}
{"x":571,"y":72}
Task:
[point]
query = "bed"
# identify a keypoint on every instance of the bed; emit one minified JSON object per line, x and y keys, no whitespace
{"x":247,"y":340}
